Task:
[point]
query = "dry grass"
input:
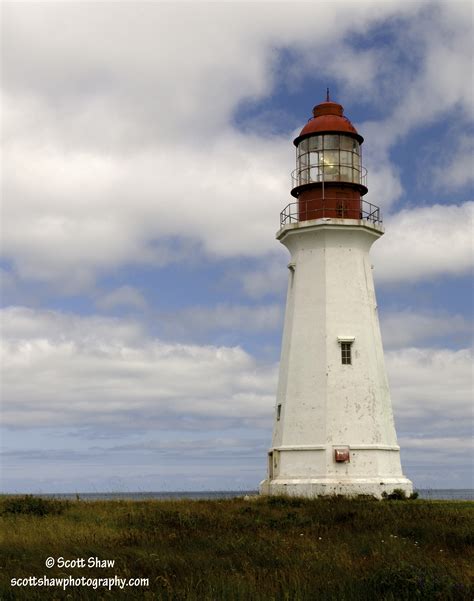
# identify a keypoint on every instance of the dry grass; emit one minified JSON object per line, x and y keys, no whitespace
{"x":258,"y":550}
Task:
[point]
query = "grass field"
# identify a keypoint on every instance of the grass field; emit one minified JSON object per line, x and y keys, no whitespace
{"x":236,"y":549}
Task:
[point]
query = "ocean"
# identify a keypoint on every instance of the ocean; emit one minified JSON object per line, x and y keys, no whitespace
{"x":456,"y":494}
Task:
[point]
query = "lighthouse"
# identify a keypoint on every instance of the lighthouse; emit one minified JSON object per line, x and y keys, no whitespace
{"x":334,"y":431}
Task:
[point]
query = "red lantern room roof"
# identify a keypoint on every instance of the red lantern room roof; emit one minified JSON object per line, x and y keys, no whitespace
{"x":328,"y":117}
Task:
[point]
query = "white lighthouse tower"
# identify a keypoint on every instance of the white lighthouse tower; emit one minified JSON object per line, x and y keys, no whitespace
{"x":333,"y":426}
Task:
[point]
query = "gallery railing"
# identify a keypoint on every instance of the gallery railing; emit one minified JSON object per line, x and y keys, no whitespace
{"x":335,"y":209}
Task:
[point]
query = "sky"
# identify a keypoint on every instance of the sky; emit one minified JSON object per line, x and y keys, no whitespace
{"x":147,"y":151}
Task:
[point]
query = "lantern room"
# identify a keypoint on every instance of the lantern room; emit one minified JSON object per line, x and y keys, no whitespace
{"x":329,"y":179}
{"x":322,"y":158}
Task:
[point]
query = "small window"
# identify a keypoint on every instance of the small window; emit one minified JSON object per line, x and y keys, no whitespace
{"x":304,"y":176}
{"x":346,"y":174}
{"x":347,"y":143}
{"x":345,"y":158}
{"x":331,"y":157}
{"x":304,"y":160}
{"x":315,"y":142}
{"x":314,"y":158}
{"x":278,"y":412}
{"x":331,"y":142}
{"x":346,"y":355}
{"x":303,"y":146}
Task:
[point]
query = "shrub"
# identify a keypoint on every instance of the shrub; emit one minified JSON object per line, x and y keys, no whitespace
{"x":407,"y":581}
{"x":397,"y":494}
{"x":286,"y":501}
{"x":31,"y":505}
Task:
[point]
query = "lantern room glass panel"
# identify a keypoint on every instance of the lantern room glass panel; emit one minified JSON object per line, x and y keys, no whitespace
{"x":331,"y":142}
{"x":347,"y":143}
{"x":328,"y":157}
{"x":345,"y":158}
{"x":303,"y":169}
{"x":316,"y":143}
{"x":347,"y":174}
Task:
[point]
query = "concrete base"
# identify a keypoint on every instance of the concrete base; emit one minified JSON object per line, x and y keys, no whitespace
{"x":312,"y":488}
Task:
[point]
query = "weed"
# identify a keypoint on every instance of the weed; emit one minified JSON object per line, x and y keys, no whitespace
{"x":31,"y":505}
{"x":397,"y":494}
{"x":275,"y":549}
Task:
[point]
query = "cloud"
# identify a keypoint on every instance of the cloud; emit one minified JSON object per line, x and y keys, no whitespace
{"x":424,"y":243}
{"x":423,"y":75}
{"x":409,"y":328}
{"x":224,"y":318}
{"x":118,"y":155}
{"x":64,"y":370}
{"x":102,"y":374}
{"x":218,"y":57}
{"x":419,"y":244}
{"x":105,"y":370}
{"x":268,"y":277}
{"x":124,"y":296}
{"x":24,"y":325}
{"x":430,"y":461}
{"x":455,"y":169}
{"x":440,"y":446}
{"x":431,"y":389}
{"x":190,"y":448}
{"x":226,"y":447}
{"x":431,"y":392}
{"x":130,"y":212}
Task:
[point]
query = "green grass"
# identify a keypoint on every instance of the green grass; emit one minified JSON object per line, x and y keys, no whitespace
{"x":233,"y":549}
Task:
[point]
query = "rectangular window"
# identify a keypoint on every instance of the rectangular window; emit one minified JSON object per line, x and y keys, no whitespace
{"x":347,"y":143}
{"x":331,"y":157}
{"x":278,"y":412}
{"x":346,"y":158}
{"x":314,"y":158}
{"x":346,"y":355}
{"x":315,"y":143}
{"x":331,"y":142}
{"x":303,"y":146}
{"x":346,"y":174}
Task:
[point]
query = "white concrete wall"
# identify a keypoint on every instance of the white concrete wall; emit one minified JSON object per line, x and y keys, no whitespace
{"x":325,"y":404}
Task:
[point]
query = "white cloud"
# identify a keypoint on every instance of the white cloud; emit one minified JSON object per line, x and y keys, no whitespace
{"x":23,"y":325}
{"x":419,"y":243}
{"x":268,"y":277}
{"x":437,"y":79}
{"x":431,"y":392}
{"x":431,"y":389}
{"x":383,"y":180}
{"x":96,"y":368}
{"x":67,"y":370}
{"x":124,"y":296}
{"x":455,"y":169}
{"x":130,"y":206}
{"x":408,"y":328}
{"x":119,"y":154}
{"x":107,"y":374}
{"x":426,"y":242}
{"x":224,"y":318}
{"x":112,"y":150}
{"x":440,"y":446}
{"x":183,"y":71}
